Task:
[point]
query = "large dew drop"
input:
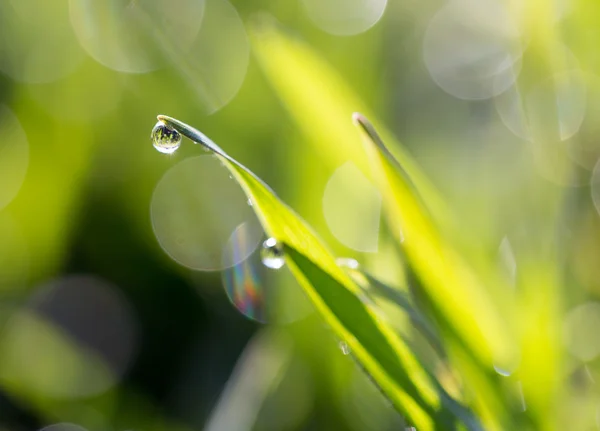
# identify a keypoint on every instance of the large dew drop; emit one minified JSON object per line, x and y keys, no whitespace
{"x":272,"y":254}
{"x":165,"y":139}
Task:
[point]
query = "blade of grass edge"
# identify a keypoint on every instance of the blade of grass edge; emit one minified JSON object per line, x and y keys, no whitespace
{"x":334,"y":294}
{"x":454,"y":291}
{"x":302,"y":78}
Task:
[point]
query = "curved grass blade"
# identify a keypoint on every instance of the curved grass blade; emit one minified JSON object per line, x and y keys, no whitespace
{"x":334,"y":294}
{"x":451,"y":286}
{"x":321,"y":102}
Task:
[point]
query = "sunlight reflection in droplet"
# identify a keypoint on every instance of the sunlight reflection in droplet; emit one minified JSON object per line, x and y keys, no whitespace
{"x":36,"y":41}
{"x":195,"y":208}
{"x":472,"y":49}
{"x":76,"y":337}
{"x":134,"y":36}
{"x":272,"y":254}
{"x":14,"y":156}
{"x":579,"y":331}
{"x":352,"y":209}
{"x":345,"y":17}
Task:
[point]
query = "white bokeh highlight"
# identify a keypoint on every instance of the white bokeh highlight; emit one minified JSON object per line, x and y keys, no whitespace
{"x":216,"y":64}
{"x":352,"y":208}
{"x":195,"y":208}
{"x":344,"y":17}
{"x":136,"y":36}
{"x":472,"y":49}
{"x":552,"y":109}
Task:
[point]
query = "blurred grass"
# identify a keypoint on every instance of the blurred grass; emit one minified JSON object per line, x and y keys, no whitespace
{"x":84,"y":208}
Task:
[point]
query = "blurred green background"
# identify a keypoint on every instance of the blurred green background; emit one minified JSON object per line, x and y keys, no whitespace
{"x":132,"y":294}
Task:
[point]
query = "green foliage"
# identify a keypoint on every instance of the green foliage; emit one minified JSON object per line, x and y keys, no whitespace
{"x":383,"y":354}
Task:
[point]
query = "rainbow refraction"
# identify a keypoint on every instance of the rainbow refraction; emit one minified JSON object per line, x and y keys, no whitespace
{"x":242,"y":282}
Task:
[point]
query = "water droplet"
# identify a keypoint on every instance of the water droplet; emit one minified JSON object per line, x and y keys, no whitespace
{"x":503,"y":372}
{"x":250,"y":202}
{"x":165,"y":139}
{"x":344,"y":347}
{"x":346,"y":262}
{"x":272,"y":254}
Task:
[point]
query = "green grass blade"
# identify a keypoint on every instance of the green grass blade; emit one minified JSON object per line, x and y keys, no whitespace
{"x":334,"y":294}
{"x":474,"y":329}
{"x":321,"y":102}
{"x":449,"y":281}
{"x":376,"y":288}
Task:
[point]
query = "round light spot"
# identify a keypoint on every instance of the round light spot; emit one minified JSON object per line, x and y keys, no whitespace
{"x":352,"y":208}
{"x":136,"y":36}
{"x":548,"y":114}
{"x":258,"y":292}
{"x":14,"y":156}
{"x":580,"y":327}
{"x":75,"y":338}
{"x":472,"y":49}
{"x":553,"y":110}
{"x":345,"y":17}
{"x":216,"y":64}
{"x":195,"y":208}
{"x":36,"y":41}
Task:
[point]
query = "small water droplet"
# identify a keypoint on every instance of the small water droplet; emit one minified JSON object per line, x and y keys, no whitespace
{"x":230,"y":176}
{"x":272,"y":254}
{"x":250,"y":202}
{"x":344,"y":347}
{"x":503,"y":372}
{"x":346,"y":262}
{"x":165,"y":139}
